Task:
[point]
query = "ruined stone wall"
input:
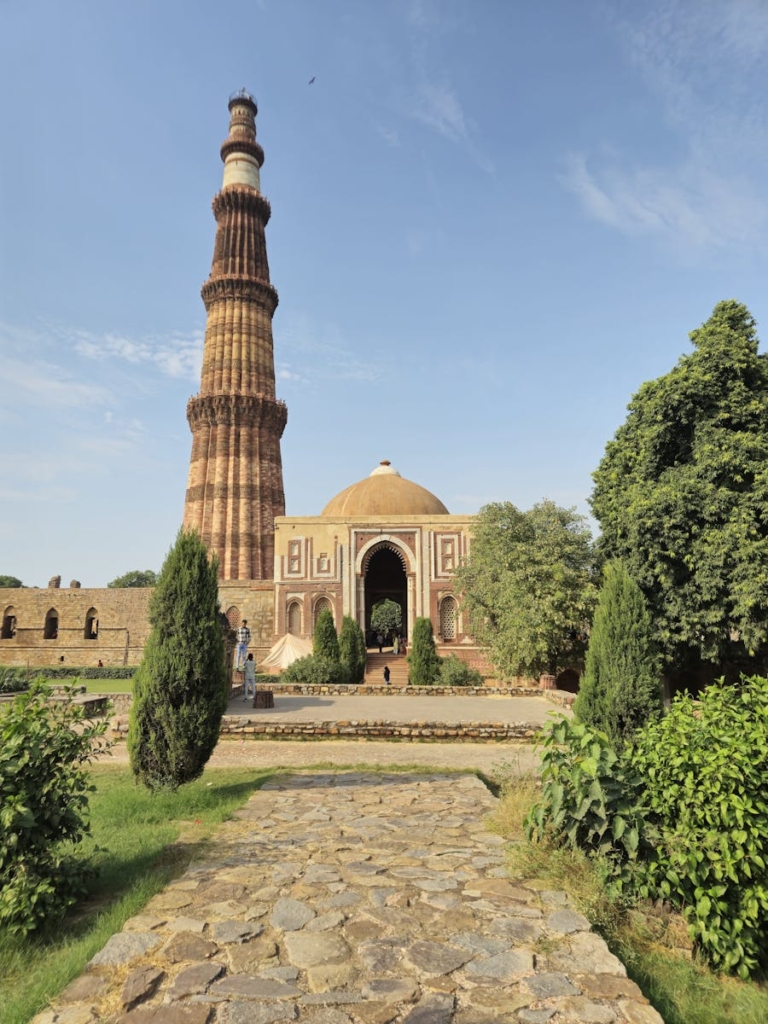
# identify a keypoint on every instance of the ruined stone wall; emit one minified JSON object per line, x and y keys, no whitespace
{"x":254,"y":601}
{"x":120,"y":615}
{"x":123,"y":623}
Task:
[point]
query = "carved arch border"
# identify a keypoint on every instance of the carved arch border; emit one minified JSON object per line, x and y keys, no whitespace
{"x":389,"y":543}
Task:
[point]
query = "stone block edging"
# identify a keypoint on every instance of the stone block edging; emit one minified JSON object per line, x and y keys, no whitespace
{"x":245,"y":727}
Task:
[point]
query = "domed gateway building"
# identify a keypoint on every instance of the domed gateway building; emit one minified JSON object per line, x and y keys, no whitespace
{"x":382,"y":537}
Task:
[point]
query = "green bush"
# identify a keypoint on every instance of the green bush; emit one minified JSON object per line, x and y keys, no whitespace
{"x":313,"y":670}
{"x":73,"y":672}
{"x":181,"y":689}
{"x":589,"y":798}
{"x":455,"y":672}
{"x":45,"y":746}
{"x":12,"y":680}
{"x":325,"y":643}
{"x":621,"y":688}
{"x":705,"y":767}
{"x":423,"y":661}
{"x":352,"y":652}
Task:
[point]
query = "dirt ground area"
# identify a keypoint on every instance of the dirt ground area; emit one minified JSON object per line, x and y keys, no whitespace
{"x":492,"y":759}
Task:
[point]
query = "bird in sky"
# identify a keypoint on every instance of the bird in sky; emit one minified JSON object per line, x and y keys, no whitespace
{"x":311,"y":79}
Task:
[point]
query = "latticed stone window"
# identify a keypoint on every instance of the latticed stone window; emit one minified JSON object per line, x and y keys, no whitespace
{"x":448,"y":619}
{"x":323,"y":605}
{"x":233,"y":617}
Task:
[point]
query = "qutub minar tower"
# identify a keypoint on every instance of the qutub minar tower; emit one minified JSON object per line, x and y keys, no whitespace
{"x":235,"y":486}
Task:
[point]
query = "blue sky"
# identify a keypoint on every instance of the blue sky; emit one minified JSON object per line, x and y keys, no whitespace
{"x":491,"y":222}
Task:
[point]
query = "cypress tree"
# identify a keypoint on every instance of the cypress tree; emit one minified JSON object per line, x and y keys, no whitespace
{"x":325,"y":643}
{"x":621,"y":688}
{"x":180,"y":690}
{"x":352,"y":650}
{"x":423,"y":661}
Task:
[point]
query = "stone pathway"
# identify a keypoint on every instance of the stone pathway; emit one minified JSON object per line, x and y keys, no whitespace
{"x":355,"y":898}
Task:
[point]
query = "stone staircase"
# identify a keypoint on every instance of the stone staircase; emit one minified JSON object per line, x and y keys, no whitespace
{"x":374,"y":669}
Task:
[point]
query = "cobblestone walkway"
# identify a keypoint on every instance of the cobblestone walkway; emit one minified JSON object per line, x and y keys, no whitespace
{"x":338,"y":898}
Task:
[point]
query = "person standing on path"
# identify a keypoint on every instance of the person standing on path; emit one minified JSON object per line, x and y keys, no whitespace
{"x":243,"y":639}
{"x":250,"y":677}
{"x":386,"y":674}
{"x":380,"y":641}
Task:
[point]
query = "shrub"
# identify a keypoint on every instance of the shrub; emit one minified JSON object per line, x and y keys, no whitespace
{"x":12,"y":680}
{"x":352,"y":653}
{"x":423,"y":661}
{"x":45,"y":746}
{"x":325,"y":643}
{"x":73,"y":672}
{"x":455,"y":672}
{"x":621,"y":688}
{"x":589,"y":798}
{"x":181,"y":688}
{"x":705,"y":768}
{"x":313,"y":670}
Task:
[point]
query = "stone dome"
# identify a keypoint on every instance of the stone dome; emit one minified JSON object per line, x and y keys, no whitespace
{"x":385,"y":493}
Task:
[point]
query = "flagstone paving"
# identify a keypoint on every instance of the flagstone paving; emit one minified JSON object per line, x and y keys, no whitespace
{"x":356,"y":898}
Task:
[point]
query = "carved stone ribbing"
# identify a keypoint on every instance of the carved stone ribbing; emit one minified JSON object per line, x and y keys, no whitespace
{"x":235,"y":486}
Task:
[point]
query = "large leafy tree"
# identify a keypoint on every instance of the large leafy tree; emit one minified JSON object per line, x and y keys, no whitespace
{"x":135,"y":578}
{"x":10,"y":581}
{"x":682,"y":496}
{"x":528,"y":586}
{"x":180,"y":689}
{"x":386,"y":616}
{"x":621,"y":687}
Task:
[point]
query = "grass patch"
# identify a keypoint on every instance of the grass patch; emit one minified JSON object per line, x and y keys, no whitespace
{"x":139,"y":834}
{"x":106,"y":685}
{"x":651,"y":941}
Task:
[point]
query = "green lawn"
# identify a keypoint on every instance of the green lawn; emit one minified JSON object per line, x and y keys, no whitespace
{"x":106,"y":685}
{"x":137,"y":831}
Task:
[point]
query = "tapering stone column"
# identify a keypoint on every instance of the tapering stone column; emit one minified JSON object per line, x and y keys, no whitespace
{"x":235,"y":486}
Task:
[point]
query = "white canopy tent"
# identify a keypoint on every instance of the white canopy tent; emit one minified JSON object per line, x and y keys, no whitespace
{"x":282,"y":654}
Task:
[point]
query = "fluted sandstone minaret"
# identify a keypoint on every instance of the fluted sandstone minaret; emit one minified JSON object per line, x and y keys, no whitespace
{"x":235,"y":485}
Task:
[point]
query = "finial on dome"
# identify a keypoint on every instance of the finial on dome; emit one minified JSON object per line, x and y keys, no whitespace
{"x":385,"y":466}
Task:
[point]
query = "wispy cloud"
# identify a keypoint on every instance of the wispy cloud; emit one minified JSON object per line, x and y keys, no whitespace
{"x":389,"y":135}
{"x":690,"y":204}
{"x":703,"y":63}
{"x":433,"y":99}
{"x":438,"y":107}
{"x":178,"y":355}
{"x":41,"y":383}
{"x":318,"y":352}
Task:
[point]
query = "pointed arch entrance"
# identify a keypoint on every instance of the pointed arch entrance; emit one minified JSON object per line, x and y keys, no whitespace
{"x":384,"y":572}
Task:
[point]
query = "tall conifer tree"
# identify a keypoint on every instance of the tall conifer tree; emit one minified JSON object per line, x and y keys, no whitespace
{"x":352,"y":650}
{"x":423,"y":661}
{"x":180,"y":689}
{"x":621,"y":687}
{"x":325,"y":643}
